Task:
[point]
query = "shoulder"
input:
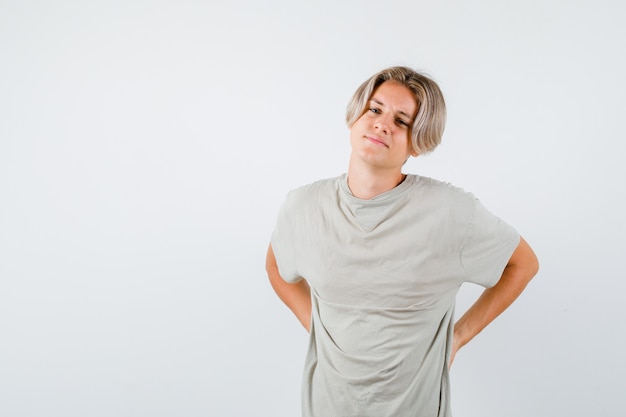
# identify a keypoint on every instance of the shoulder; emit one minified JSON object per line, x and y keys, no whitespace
{"x":442,"y":192}
{"x":320,"y":188}
{"x":313,"y":194}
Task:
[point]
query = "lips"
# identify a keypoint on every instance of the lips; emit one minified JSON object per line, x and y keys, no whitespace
{"x":376,"y":140}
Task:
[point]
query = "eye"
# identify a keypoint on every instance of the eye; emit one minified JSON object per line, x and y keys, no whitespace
{"x":402,"y":122}
{"x":375,"y":110}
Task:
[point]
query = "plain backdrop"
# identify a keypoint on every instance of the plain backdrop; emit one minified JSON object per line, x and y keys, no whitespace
{"x":145,"y":147}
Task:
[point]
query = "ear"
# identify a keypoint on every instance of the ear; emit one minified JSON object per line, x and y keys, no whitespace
{"x":414,"y":153}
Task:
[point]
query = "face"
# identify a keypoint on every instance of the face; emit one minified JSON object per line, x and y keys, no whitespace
{"x":381,"y":137}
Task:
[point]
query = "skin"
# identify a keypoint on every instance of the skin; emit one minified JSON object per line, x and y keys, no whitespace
{"x":295,"y":296}
{"x":380,"y":141}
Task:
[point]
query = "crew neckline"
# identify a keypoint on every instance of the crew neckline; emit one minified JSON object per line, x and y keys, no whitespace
{"x":395,"y":191}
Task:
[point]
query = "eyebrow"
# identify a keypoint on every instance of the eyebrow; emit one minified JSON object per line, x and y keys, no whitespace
{"x":380,"y":103}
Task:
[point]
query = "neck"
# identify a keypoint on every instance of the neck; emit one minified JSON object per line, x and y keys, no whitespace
{"x":367,"y":182}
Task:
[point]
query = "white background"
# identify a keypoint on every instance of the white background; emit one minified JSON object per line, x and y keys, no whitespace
{"x":145,"y":147}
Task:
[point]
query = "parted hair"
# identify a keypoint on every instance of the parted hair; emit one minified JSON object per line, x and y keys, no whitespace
{"x":430,"y":120}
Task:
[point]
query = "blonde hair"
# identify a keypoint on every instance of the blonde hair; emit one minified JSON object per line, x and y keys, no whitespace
{"x":430,"y":120}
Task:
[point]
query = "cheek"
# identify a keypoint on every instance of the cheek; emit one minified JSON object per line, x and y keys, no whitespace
{"x":412,"y":151}
{"x":357,"y":127}
{"x":359,"y":122}
{"x":409,"y":146}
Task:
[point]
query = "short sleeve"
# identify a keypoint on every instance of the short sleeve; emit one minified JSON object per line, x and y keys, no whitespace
{"x":283,"y":243}
{"x":487,"y":247}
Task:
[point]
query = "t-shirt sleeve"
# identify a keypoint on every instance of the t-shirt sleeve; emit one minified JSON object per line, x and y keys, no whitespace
{"x":283,"y":243}
{"x":487,"y":247}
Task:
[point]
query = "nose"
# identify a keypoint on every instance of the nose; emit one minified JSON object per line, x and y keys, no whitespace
{"x":382,"y":124}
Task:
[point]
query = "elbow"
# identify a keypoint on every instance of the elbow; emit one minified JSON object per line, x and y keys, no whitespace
{"x":270,"y":261}
{"x":534,"y":267}
{"x":533,"y":262}
{"x":531,"y":265}
{"x":525,"y":259}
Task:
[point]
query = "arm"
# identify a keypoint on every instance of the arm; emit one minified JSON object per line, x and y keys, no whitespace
{"x":295,"y":296}
{"x":520,"y":269}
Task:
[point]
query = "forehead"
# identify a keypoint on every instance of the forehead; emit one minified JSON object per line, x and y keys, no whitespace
{"x":395,"y":96}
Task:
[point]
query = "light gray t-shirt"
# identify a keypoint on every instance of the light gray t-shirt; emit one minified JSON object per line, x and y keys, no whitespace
{"x":384,"y":274}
